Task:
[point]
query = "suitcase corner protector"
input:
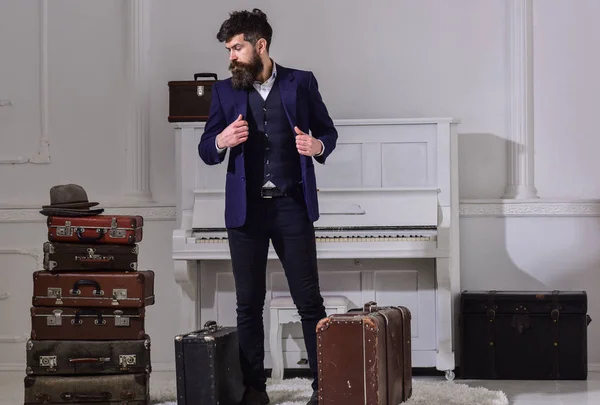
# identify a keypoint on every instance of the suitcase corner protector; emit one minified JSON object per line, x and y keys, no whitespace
{"x":323,"y":324}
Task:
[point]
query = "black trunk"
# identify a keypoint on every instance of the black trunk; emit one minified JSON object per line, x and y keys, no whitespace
{"x":524,"y":335}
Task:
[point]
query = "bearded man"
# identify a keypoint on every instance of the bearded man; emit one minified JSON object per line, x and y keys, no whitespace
{"x":263,"y":115}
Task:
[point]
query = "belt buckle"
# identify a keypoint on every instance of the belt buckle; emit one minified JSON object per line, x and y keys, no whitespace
{"x":262,"y":193}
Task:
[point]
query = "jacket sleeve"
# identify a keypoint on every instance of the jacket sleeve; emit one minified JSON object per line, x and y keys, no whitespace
{"x":215,"y":124}
{"x":321,"y":125}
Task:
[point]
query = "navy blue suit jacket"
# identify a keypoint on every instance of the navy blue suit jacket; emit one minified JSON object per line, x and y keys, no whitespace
{"x":304,"y":108}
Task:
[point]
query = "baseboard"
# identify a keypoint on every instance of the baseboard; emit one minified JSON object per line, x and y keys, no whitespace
{"x":163,"y":366}
{"x":13,"y":367}
{"x":593,"y":367}
{"x":170,"y":367}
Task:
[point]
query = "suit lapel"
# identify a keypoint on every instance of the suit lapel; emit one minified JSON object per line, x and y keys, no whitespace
{"x":287,"y":89}
{"x":241,"y":103}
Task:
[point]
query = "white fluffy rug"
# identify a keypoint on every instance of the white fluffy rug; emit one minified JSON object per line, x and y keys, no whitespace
{"x":297,"y":391}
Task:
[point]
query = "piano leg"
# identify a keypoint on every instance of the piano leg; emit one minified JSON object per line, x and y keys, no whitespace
{"x":276,"y":346}
{"x":445,"y":354}
{"x":186,"y":276}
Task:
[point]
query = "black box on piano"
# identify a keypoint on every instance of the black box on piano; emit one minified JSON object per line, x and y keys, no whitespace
{"x":524,"y":335}
{"x":189,"y":100}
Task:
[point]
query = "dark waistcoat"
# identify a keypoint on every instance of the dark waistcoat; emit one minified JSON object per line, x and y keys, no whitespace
{"x":270,"y":151}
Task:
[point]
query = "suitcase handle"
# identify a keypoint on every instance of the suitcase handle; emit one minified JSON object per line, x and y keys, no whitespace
{"x":103,"y":259}
{"x":89,"y":360}
{"x":80,"y":231}
{"x":100,"y":396}
{"x":77,"y":291}
{"x":80,"y":312}
{"x":370,"y":306}
{"x":211,"y":326}
{"x":197,"y":75}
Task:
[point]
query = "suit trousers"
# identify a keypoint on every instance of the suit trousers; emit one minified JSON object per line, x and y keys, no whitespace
{"x":284,"y":221}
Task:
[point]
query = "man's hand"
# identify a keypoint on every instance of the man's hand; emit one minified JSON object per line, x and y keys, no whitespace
{"x":234,"y":134}
{"x":306,"y":144}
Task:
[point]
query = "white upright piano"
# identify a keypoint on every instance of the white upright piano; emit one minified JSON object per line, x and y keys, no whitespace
{"x":388,"y":232}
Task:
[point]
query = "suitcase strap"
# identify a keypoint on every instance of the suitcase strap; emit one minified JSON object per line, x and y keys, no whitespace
{"x":99,"y":396}
{"x":491,"y":313}
{"x":555,"y":314}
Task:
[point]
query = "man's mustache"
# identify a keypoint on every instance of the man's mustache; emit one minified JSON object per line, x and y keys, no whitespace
{"x":238,"y":65}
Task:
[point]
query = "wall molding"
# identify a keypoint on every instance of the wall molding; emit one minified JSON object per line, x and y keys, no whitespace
{"x":42,"y":156}
{"x":468,"y":208}
{"x":150,"y":213}
{"x":37,"y":254}
{"x":529,"y":208}
{"x":38,"y":257}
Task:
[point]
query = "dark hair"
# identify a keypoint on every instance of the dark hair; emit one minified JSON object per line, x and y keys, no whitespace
{"x":252,"y":24}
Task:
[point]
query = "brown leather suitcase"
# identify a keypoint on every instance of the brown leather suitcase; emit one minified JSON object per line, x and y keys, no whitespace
{"x":88,"y":357}
{"x":120,"y":389}
{"x":365,"y":356}
{"x":106,"y":289}
{"x":190,"y":100}
{"x":105,"y":229}
{"x":68,"y":323}
{"x":62,"y":256}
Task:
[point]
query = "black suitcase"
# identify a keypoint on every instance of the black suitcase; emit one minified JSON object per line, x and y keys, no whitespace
{"x":524,"y":335}
{"x":64,"y":256}
{"x":190,"y":100}
{"x":88,"y":357}
{"x":207,"y":367}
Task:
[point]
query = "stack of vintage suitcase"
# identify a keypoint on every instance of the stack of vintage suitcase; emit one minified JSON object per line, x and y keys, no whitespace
{"x":88,"y":342}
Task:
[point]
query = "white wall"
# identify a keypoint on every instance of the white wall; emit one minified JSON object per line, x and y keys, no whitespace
{"x":567,"y":84}
{"x":385,"y":59}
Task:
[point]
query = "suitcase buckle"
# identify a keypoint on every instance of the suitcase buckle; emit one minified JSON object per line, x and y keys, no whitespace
{"x":65,"y":230}
{"x":55,"y":319}
{"x":126,"y":360}
{"x":200,"y":91}
{"x":121,"y":320}
{"x":55,"y":293}
{"x":48,"y":361}
{"x":118,"y":294}
{"x":114,"y":232}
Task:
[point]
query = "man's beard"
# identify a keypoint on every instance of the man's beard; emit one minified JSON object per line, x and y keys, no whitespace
{"x":244,"y":74}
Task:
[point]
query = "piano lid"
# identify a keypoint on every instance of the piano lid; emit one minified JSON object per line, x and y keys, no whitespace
{"x":343,"y":208}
